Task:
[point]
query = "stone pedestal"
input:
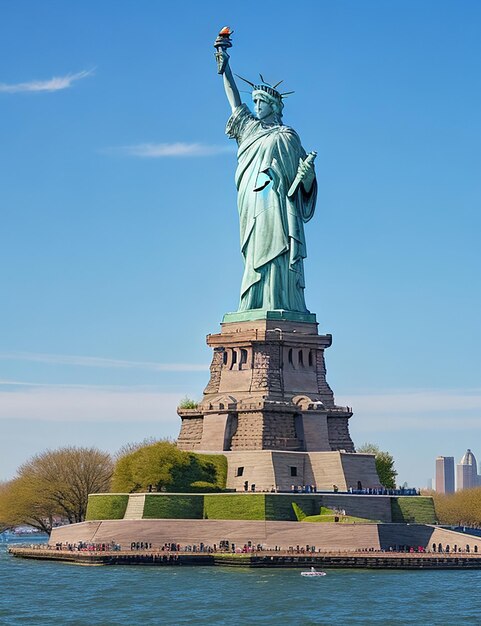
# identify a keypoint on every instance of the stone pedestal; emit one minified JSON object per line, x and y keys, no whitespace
{"x":268,"y":392}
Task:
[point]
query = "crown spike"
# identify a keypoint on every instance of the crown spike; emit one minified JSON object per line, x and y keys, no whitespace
{"x":245,"y":80}
{"x":287,"y":93}
{"x":277,"y":84}
{"x":262,"y":79}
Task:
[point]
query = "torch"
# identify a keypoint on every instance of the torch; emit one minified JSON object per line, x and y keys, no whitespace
{"x":309,"y":160}
{"x":221,"y":44}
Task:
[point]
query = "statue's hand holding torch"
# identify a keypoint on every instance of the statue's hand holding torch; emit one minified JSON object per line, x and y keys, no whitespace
{"x":221,"y":44}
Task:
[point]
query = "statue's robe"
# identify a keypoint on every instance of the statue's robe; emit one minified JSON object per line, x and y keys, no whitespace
{"x":271,"y":223}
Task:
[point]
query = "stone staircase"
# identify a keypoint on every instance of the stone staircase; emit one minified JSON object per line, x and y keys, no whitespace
{"x":135,"y":506}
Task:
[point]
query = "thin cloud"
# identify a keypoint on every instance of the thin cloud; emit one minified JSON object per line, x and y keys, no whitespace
{"x":427,"y":410}
{"x":30,"y":384}
{"x":89,"y":404}
{"x":395,"y":423}
{"x":416,"y":401}
{"x":163,"y":150}
{"x":92,"y":361}
{"x":372,"y":413}
{"x":57,"y":83}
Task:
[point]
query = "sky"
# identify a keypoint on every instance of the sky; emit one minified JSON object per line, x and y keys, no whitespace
{"x":119,"y":245}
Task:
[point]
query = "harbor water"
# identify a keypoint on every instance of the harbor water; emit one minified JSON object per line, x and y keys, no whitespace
{"x":46,"y":593}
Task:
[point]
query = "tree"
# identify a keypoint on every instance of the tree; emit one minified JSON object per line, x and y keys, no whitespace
{"x":23,"y":502}
{"x":462,"y":508}
{"x":55,"y":483}
{"x":3,"y":491}
{"x":130,"y":447}
{"x":151,"y":464}
{"x":384,"y":464}
{"x":165,"y":467}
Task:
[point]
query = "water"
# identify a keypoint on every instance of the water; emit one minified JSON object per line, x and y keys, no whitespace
{"x":40,"y":593}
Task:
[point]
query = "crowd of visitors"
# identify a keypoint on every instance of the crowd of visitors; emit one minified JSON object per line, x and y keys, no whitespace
{"x":84,"y":546}
{"x":225,"y":546}
{"x":359,"y":490}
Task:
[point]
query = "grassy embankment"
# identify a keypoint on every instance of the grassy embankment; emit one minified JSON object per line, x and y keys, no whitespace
{"x":329,"y":516}
{"x":409,"y":509}
{"x":258,"y":506}
{"x":107,"y":506}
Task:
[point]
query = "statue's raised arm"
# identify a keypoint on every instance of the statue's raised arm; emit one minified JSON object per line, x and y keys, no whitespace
{"x":221,"y":44}
{"x":277,"y":189}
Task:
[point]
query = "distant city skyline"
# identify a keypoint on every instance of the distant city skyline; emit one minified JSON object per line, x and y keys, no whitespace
{"x":466,"y":473}
{"x":445,"y":474}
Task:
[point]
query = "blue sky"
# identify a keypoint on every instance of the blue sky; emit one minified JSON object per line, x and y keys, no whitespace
{"x":119,"y":237}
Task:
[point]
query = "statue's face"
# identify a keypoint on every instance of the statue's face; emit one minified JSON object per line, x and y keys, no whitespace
{"x":262,"y":108}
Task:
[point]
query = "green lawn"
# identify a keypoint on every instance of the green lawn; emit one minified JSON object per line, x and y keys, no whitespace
{"x":235,"y":506}
{"x":173,"y":506}
{"x":413,"y":509}
{"x":106,"y":506}
{"x":251,"y":506}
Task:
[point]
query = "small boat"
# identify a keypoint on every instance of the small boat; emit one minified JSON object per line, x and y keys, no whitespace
{"x":313,"y":572}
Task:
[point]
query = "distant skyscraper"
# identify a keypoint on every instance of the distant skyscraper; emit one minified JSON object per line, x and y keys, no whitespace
{"x":445,"y":474}
{"x":467,"y":472}
{"x":430,"y":484}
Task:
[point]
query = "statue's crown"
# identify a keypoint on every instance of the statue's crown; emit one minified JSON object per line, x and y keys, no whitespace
{"x":272,"y":91}
{"x":267,"y":88}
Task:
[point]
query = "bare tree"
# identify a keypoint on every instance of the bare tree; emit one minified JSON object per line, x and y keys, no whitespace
{"x":55,"y":483}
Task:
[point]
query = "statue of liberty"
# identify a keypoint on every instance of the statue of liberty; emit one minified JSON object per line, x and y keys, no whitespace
{"x":277,"y":192}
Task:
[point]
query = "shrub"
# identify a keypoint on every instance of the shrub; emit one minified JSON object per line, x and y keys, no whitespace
{"x":202,"y":486}
{"x":188,"y":403}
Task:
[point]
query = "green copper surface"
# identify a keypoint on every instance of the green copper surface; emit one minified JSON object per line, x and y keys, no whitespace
{"x":264,"y":314}
{"x":277,"y":192}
